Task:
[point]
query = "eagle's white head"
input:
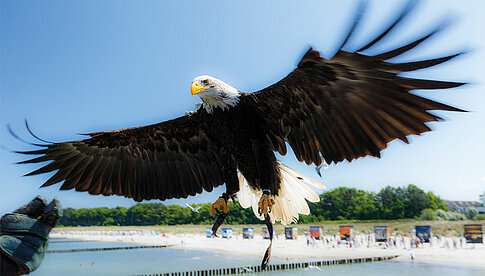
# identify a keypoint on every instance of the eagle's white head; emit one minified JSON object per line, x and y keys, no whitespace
{"x":214,"y":93}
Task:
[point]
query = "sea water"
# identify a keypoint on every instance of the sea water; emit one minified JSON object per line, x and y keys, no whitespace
{"x":160,"y":260}
{"x":387,"y":268}
{"x":132,"y":261}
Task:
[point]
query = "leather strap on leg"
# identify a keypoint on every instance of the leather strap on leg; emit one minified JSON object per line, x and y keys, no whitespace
{"x":267,"y":254}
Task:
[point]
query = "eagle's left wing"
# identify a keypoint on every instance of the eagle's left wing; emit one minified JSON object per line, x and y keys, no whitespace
{"x":350,"y":106}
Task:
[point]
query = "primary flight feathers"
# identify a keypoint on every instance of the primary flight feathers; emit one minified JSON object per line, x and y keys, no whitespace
{"x":344,"y":108}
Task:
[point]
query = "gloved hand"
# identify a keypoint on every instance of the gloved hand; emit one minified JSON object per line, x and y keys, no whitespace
{"x":24,"y":234}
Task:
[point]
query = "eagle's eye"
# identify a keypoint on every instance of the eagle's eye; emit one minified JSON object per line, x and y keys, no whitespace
{"x":205,"y":82}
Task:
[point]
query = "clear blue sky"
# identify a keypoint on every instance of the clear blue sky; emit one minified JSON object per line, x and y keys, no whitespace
{"x":81,"y":66}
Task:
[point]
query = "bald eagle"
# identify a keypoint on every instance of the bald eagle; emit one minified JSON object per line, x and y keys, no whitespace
{"x":326,"y":110}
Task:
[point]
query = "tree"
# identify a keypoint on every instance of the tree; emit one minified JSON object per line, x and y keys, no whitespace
{"x":338,"y":204}
{"x":344,"y":203}
{"x":119,"y":215}
{"x":416,"y":201}
{"x":391,"y":203}
{"x":435,"y":202}
{"x":429,"y":214}
{"x":109,"y":221}
{"x":441,"y":214}
{"x":456,"y":216}
{"x":66,"y":219}
{"x":471,"y":212}
{"x":175,"y":214}
{"x":146,"y":214}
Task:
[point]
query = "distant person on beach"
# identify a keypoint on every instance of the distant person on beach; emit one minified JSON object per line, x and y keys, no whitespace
{"x":24,"y":235}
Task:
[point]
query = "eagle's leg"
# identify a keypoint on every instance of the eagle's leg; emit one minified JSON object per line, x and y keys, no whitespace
{"x":231,"y":179}
{"x":265,"y":203}
{"x":220,"y":205}
{"x":232,"y":187}
{"x":268,"y":174}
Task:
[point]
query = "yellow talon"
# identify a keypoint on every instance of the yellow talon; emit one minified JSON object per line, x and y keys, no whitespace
{"x":265,"y":204}
{"x":220,"y":205}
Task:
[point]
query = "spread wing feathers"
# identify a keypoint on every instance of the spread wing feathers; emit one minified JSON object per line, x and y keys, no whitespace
{"x":172,"y":159}
{"x":350,"y":106}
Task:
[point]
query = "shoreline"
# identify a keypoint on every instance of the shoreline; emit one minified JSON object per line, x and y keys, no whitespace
{"x":289,"y":250}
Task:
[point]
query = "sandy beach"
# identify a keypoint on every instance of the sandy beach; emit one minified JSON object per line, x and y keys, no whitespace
{"x":447,"y":250}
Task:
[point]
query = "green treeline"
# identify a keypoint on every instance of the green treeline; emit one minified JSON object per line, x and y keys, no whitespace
{"x":388,"y":204}
{"x":338,"y":204}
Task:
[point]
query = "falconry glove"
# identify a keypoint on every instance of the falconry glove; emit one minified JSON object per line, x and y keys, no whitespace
{"x":24,"y":233}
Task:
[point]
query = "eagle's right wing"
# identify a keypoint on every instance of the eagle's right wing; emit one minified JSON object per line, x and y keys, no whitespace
{"x":172,"y":159}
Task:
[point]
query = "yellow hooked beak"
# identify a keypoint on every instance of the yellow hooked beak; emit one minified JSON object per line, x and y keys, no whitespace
{"x":195,"y":88}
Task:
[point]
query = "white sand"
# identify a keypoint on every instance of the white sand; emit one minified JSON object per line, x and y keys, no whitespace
{"x":437,"y":252}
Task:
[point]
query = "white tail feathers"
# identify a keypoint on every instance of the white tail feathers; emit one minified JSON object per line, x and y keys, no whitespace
{"x":290,"y":201}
